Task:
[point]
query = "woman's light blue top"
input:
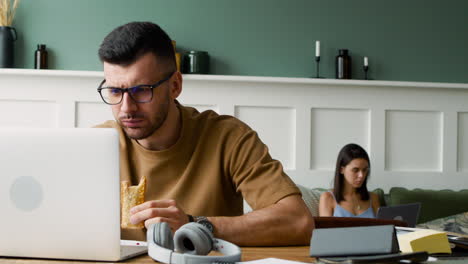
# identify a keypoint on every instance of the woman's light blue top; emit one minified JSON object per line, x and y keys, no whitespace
{"x":341,"y":212}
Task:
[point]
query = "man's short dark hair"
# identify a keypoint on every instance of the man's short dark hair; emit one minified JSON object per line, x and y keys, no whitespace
{"x":127,"y":43}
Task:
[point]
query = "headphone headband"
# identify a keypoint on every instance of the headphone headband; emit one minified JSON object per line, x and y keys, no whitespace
{"x":231,"y":252}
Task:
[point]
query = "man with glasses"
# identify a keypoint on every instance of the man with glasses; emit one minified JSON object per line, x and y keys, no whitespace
{"x":198,"y":166}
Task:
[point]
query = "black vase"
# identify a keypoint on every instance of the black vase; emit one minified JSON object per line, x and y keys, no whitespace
{"x":7,"y":37}
{"x":196,"y":62}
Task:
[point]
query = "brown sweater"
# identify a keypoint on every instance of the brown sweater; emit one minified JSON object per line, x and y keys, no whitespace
{"x":216,"y":162}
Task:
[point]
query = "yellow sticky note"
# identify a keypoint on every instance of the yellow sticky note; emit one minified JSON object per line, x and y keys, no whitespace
{"x":428,"y":240}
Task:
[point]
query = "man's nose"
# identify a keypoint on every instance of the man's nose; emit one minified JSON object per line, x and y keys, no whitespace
{"x":127,"y":105}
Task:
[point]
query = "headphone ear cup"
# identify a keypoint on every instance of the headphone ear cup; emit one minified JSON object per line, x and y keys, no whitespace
{"x":162,"y":235}
{"x":193,"y":238}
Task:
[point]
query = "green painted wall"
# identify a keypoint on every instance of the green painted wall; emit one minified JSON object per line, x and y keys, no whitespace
{"x":409,"y":40}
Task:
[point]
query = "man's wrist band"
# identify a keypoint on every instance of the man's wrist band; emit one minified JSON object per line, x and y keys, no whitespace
{"x":202,"y":220}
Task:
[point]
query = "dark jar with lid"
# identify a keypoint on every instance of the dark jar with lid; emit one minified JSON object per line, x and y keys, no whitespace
{"x":196,"y":62}
{"x":343,"y":65}
{"x":40,"y":57}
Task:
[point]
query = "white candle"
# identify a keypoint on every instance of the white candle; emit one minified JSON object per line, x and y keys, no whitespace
{"x":366,"y":61}
{"x":317,"y":48}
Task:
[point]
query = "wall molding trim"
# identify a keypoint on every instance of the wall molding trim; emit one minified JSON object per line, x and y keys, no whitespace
{"x":254,"y":79}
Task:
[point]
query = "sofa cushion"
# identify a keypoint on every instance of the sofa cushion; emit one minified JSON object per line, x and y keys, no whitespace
{"x":311,"y":198}
{"x":381,"y":195}
{"x":434,"y":203}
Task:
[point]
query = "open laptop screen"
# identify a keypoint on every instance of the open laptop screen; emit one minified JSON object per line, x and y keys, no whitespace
{"x":60,"y":193}
{"x":405,"y":212}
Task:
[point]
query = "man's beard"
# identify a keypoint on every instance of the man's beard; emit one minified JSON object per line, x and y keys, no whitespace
{"x":154,"y":124}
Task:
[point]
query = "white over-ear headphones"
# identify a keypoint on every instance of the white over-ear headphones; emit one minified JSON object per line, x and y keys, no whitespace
{"x":190,"y":241}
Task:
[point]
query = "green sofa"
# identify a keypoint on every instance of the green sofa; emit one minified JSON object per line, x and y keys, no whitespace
{"x":435,"y":204}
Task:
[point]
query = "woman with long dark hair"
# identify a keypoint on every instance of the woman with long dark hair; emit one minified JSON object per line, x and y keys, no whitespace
{"x":350,"y":197}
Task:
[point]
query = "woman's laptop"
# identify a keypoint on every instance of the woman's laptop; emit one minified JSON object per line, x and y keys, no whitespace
{"x":406,"y":212}
{"x":60,"y":194}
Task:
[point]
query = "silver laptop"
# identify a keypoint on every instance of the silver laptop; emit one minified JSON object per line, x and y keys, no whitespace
{"x":405,"y":212}
{"x":60,"y":194}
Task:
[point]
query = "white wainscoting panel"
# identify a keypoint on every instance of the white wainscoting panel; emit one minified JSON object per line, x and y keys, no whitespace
{"x":28,"y":113}
{"x":416,"y":133}
{"x":414,"y":141}
{"x":89,"y":114}
{"x":269,"y":122}
{"x":334,"y":128}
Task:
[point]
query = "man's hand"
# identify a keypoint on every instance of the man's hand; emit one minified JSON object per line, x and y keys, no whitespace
{"x":156,"y":211}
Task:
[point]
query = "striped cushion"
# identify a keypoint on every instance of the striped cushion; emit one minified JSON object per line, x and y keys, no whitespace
{"x":311,"y":198}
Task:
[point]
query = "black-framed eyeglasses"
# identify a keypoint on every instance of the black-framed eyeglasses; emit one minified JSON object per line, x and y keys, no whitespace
{"x":141,"y":93}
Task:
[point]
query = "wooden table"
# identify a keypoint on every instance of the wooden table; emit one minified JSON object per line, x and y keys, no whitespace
{"x":248,"y":253}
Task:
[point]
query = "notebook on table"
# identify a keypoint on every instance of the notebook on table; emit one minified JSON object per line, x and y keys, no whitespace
{"x":405,"y":212}
{"x":60,"y":194}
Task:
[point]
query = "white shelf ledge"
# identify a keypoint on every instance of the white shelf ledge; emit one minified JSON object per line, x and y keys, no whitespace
{"x":249,"y":79}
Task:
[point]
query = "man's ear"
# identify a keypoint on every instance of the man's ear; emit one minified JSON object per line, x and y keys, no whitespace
{"x":175,"y":85}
